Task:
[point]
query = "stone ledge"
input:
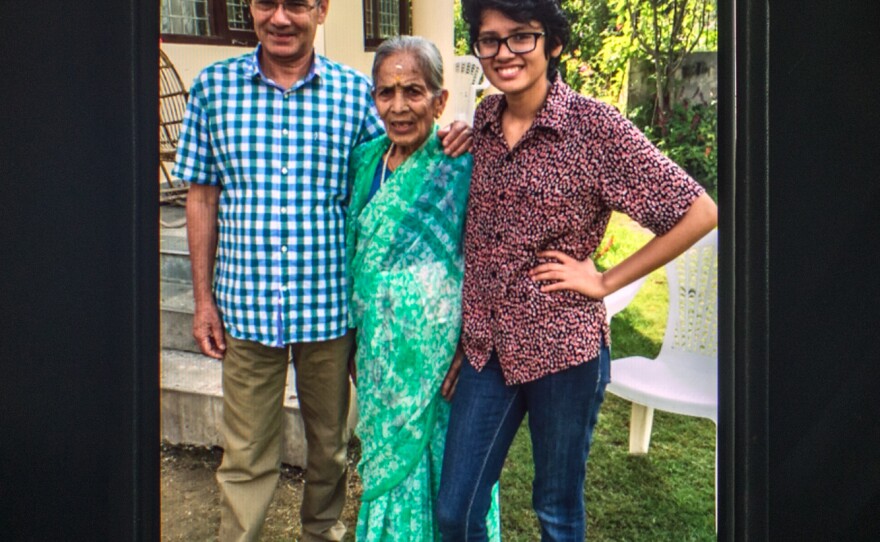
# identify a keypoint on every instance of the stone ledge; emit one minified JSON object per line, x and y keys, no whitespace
{"x":192,"y":405}
{"x":176,"y":305}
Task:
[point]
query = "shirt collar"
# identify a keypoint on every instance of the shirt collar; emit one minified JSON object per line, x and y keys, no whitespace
{"x":251,"y":65}
{"x":253,"y":70}
{"x":551,"y":116}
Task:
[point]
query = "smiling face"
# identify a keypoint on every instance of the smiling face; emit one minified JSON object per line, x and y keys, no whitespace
{"x":288,"y":38}
{"x":406,"y":104}
{"x":516,"y":75}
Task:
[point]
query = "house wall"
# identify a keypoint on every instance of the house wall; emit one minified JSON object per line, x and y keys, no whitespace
{"x":340,"y":38}
{"x":343,"y":36}
{"x":189,"y":59}
{"x":433,"y":20}
{"x":696,"y":80}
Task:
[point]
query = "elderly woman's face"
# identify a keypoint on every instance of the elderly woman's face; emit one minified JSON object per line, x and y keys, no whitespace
{"x":405,"y":103}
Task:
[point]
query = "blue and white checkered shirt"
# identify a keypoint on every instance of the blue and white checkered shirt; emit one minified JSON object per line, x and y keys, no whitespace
{"x":281,"y":159}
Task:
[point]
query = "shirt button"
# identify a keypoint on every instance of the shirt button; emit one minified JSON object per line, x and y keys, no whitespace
{"x":284,"y":210}
{"x":284,"y":249}
{"x":498,"y":236}
{"x":284,"y":170}
{"x":501,"y":196}
{"x":493,"y":274}
{"x":285,"y":131}
{"x":492,"y":314}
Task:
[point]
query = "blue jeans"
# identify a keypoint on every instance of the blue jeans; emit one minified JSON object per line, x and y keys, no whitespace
{"x":563,"y":409}
{"x":604,"y":380}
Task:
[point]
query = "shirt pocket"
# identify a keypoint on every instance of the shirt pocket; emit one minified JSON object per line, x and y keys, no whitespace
{"x":328,"y":152}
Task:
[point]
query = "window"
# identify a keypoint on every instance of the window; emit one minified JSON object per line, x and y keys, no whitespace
{"x":385,"y":18}
{"x":222,"y":22}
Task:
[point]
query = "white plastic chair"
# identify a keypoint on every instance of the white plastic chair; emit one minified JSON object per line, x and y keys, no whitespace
{"x":467,"y":83}
{"x":618,"y":301}
{"x":683,"y":379}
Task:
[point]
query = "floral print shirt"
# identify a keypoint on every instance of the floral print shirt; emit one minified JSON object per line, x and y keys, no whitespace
{"x":554,"y":190}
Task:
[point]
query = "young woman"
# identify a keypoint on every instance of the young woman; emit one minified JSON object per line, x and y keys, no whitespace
{"x":549,"y":167}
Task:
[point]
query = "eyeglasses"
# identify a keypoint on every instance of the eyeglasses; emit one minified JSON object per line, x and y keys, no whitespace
{"x":519,"y":43}
{"x":291,"y":7}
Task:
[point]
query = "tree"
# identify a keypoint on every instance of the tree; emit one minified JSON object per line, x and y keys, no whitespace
{"x":666,"y":31}
{"x":596,"y":58}
{"x":461,"y":31}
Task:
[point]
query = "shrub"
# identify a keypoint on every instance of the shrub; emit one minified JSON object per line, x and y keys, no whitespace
{"x":687,"y":137}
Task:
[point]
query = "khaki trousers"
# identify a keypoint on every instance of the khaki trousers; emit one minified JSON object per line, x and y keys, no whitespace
{"x":254,"y":378}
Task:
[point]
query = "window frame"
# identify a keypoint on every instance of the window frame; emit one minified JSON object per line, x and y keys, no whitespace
{"x":221,"y":34}
{"x":404,"y":24}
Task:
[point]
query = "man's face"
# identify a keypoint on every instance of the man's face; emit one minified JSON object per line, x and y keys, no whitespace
{"x":286,"y":29}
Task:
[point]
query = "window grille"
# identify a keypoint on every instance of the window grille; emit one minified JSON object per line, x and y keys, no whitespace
{"x":238,"y":15}
{"x":216,"y":22}
{"x":186,"y":17}
{"x":385,"y":18}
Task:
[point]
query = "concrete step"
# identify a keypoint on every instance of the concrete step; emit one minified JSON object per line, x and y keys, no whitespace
{"x":172,"y":215}
{"x":174,"y":263}
{"x":176,"y":314}
{"x":192,"y":405}
{"x":175,"y":288}
{"x":174,"y":266}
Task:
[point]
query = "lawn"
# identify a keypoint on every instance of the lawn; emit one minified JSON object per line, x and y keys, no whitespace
{"x":666,"y":495}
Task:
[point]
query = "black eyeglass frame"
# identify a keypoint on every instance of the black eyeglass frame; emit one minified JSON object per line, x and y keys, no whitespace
{"x":504,"y":41}
{"x":295,"y":7}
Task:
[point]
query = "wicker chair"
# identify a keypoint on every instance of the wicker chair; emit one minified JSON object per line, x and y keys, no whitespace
{"x":172,"y":105}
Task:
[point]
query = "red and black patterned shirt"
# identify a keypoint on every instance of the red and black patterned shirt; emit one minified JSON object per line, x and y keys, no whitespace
{"x":554,"y":190}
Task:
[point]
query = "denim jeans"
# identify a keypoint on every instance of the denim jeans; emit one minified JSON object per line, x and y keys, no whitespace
{"x":486,"y":413}
{"x":604,"y":380}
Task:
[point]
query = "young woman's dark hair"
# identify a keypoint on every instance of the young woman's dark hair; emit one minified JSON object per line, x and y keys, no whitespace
{"x":547,"y":12}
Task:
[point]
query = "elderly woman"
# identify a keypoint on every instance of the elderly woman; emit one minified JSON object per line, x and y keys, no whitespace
{"x":404,"y":241}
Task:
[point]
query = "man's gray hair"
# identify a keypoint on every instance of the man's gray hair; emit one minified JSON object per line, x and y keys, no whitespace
{"x":427,"y":57}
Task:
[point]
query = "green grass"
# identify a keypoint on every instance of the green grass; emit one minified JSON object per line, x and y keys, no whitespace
{"x":666,"y":495}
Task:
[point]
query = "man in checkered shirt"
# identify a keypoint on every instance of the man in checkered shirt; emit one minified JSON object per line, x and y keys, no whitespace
{"x":265,"y":145}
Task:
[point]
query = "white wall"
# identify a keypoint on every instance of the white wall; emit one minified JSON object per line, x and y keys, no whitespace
{"x":190,"y":59}
{"x":340,"y":38}
{"x":343,"y":36}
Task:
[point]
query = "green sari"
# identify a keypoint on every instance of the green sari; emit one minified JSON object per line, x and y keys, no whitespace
{"x":405,"y":265}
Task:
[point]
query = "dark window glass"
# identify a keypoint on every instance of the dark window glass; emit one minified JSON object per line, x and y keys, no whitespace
{"x":219,"y":22}
{"x":383,"y":19}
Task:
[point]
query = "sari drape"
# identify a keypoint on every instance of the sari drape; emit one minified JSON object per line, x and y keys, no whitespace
{"x":405,"y":274}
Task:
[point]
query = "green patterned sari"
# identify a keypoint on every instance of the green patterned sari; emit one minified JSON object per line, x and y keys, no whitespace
{"x":405,"y":264}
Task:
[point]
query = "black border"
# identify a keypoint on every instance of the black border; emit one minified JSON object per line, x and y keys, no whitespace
{"x":726,"y":498}
{"x":79,"y":393}
{"x":744,"y":279}
{"x":79,"y":301}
